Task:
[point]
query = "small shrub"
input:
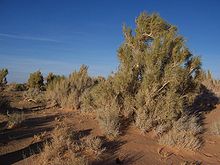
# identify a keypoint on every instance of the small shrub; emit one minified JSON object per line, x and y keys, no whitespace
{"x":15,"y":119}
{"x":185,"y":133}
{"x":143,"y":122}
{"x":51,"y":78}
{"x":94,"y":144}
{"x":63,"y":149}
{"x":36,"y":80}
{"x":211,"y":84}
{"x":89,"y":97}
{"x":67,"y":92}
{"x":34,"y":95}
{"x":68,"y":148}
{"x":109,"y":121}
{"x":162,"y":129}
{"x":87,"y":102}
{"x":107,"y":108}
{"x":14,"y":87}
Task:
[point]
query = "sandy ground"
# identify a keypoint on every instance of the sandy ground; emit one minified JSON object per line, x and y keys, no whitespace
{"x":21,"y":145}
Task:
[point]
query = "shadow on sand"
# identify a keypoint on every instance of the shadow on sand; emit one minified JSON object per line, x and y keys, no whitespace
{"x":21,"y":154}
{"x":28,"y":128}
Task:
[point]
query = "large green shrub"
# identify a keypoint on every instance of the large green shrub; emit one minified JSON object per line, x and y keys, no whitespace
{"x":158,"y":77}
{"x":36,"y":80}
{"x":158,"y":70}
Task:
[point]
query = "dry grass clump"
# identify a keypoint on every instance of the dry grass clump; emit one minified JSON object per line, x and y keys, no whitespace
{"x":87,"y":101}
{"x":15,"y":119}
{"x":51,"y":78}
{"x":211,"y":83}
{"x":89,"y":97}
{"x":35,"y":95}
{"x":144,"y":123}
{"x":13,"y":87}
{"x":185,"y":133}
{"x":107,"y":108}
{"x":109,"y":121}
{"x":67,"y":148}
{"x":94,"y":144}
{"x":215,"y":128}
{"x":67,"y":92}
{"x":62,"y":150}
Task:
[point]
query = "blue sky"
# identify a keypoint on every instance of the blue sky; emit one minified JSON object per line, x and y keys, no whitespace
{"x":60,"y":35}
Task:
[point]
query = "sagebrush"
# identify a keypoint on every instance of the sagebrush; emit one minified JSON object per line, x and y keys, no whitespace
{"x":68,"y":148}
{"x":36,"y":80}
{"x":67,"y":92}
{"x":157,"y":81}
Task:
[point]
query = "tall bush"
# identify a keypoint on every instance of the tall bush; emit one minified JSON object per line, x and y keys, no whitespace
{"x":158,"y":77}
{"x":36,"y":80}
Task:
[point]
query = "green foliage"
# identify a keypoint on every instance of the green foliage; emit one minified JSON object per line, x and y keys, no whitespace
{"x":158,"y":69}
{"x":16,"y":87}
{"x":67,"y":92}
{"x":158,"y":78}
{"x":36,"y":80}
{"x":52,"y":77}
{"x":3,"y":74}
{"x":107,"y":107}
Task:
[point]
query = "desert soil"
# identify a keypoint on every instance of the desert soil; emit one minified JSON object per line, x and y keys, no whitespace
{"x":21,"y":145}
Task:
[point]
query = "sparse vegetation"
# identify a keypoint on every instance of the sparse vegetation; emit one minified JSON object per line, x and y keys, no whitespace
{"x":34,"y":95}
{"x":62,"y":150}
{"x":4,"y":103}
{"x":15,"y":119}
{"x":67,"y":92}
{"x":52,"y":78}
{"x":159,"y":87}
{"x":94,"y":144}
{"x":68,"y":148}
{"x":210,"y":83}
{"x":185,"y":133}
{"x":109,"y":121}
{"x":16,"y":87}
